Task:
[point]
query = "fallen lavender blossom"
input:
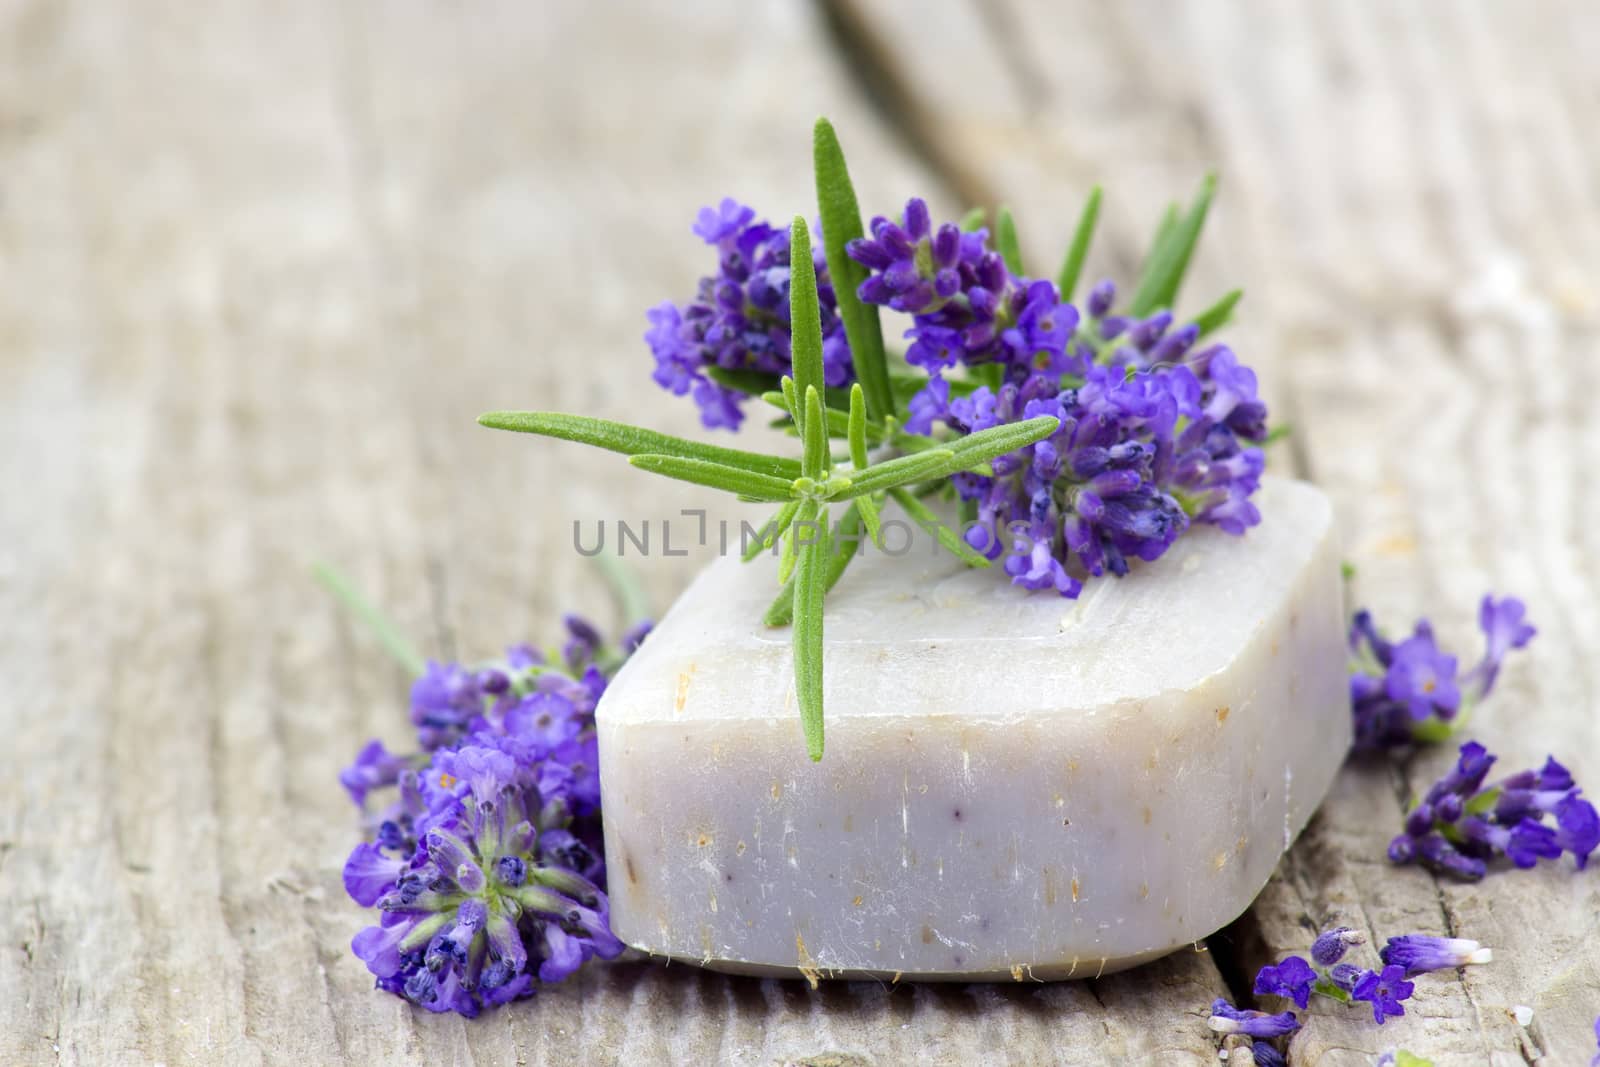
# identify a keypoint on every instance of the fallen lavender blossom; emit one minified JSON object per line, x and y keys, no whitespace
{"x":1409,"y":691}
{"x":1461,"y":825}
{"x":484,"y":859}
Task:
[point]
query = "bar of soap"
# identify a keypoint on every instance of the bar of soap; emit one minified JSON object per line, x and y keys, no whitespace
{"x":1015,"y":785}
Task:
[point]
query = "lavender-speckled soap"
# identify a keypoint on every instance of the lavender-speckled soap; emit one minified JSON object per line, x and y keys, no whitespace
{"x":1015,"y":786}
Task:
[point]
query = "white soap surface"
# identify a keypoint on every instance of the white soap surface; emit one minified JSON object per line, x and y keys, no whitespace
{"x":1015,"y":785}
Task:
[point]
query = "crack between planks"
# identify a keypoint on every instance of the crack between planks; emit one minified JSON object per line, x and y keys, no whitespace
{"x":875,"y":65}
{"x":1228,"y":957}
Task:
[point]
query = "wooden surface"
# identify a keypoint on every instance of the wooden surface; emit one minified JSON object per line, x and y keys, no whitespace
{"x":263,"y":263}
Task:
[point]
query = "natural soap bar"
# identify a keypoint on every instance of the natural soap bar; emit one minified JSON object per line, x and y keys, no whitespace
{"x":1015,"y":785}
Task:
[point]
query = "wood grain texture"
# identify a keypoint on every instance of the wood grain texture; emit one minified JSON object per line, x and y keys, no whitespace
{"x":1409,"y":202}
{"x":264,"y":263}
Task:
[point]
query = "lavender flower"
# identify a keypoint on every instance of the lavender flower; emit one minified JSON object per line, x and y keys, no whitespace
{"x":1226,"y":1019}
{"x":739,"y":319}
{"x":1419,"y":953}
{"x":486,"y":902}
{"x":1330,"y":946}
{"x":1384,"y":990}
{"x":966,"y":307}
{"x":1153,"y":436}
{"x":374,"y":768}
{"x":1329,"y":976}
{"x":1423,"y":679}
{"x":1136,"y":459}
{"x":1101,"y":298}
{"x":1342,"y":976}
{"x":1461,"y":824}
{"x":1292,"y":978}
{"x":1410,"y":691}
{"x":1267,"y":1055}
{"x":1596,"y":1061}
{"x":487,"y":864}
{"x":444,"y":701}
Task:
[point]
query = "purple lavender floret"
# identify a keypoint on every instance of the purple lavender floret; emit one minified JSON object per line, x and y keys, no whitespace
{"x":1596,"y":1061}
{"x":739,"y":319}
{"x":1267,"y":1055}
{"x":1461,"y":825}
{"x":1409,"y":691}
{"x":1226,"y":1019}
{"x":1423,"y":679}
{"x":487,"y":863}
{"x":444,"y":701}
{"x":1345,"y":975}
{"x":1101,"y":297}
{"x":1292,"y":978}
{"x":1421,"y":953}
{"x":1331,"y":945}
{"x":1384,"y":990}
{"x":1504,"y":627}
{"x":374,"y":768}
{"x":634,"y":636}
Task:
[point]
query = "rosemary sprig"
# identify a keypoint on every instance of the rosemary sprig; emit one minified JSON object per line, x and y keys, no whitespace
{"x":878,"y":459}
{"x":716,"y":476}
{"x":841,"y":224}
{"x":843,"y":547}
{"x":805,"y":314}
{"x":949,"y":539}
{"x":812,"y":558}
{"x":1169,"y":256}
{"x":810,"y":587}
{"x":635,"y":440}
{"x":774,"y":529}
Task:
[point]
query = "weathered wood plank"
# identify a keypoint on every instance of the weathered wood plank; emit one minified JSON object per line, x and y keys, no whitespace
{"x":270,"y":262}
{"x":1409,"y":201}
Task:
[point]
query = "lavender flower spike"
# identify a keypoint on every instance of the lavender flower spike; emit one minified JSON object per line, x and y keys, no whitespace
{"x":1226,"y":1019}
{"x":739,"y":318}
{"x":485,"y":905}
{"x":1419,"y":953}
{"x":486,"y":867}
